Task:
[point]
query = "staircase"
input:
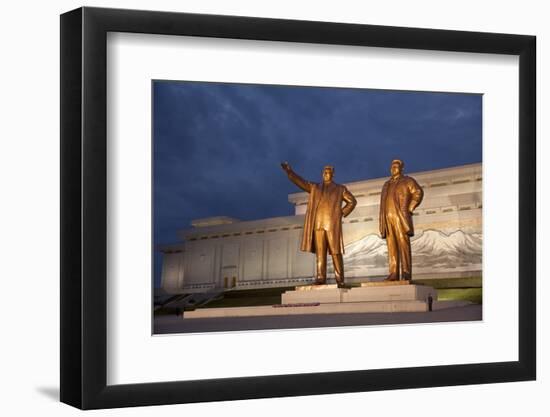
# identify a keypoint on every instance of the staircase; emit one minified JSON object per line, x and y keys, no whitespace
{"x":183,"y":301}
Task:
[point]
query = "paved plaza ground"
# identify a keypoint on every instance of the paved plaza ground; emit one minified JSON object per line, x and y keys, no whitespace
{"x":164,"y":324}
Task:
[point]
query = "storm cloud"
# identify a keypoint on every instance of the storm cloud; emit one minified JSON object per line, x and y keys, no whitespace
{"x":218,"y":147}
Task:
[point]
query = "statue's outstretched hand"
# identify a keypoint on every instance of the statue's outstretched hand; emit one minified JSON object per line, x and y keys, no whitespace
{"x":286,"y":166}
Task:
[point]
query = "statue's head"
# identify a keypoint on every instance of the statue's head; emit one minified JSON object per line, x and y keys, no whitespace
{"x":328,"y":173}
{"x":396,"y":168}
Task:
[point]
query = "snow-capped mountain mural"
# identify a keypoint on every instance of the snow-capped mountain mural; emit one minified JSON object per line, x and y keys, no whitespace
{"x":437,"y":249}
{"x":432,"y":251}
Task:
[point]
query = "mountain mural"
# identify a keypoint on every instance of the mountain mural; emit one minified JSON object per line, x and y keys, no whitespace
{"x":432,"y":250}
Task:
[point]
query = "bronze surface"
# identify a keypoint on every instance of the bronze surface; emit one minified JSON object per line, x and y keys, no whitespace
{"x":400,"y":196}
{"x":323,"y":221}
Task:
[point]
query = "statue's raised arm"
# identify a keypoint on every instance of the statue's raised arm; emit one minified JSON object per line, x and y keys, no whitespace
{"x":295,"y":178}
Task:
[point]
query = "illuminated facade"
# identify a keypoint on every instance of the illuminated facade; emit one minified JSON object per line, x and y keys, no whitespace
{"x":222,"y":252}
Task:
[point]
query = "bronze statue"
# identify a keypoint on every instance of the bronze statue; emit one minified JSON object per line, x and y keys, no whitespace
{"x":323,"y":222}
{"x":400,"y":196}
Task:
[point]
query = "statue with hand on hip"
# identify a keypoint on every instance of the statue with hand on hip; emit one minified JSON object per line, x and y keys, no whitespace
{"x":400,"y":196}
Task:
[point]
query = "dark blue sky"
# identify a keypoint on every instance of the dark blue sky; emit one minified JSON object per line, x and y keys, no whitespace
{"x":218,"y":147}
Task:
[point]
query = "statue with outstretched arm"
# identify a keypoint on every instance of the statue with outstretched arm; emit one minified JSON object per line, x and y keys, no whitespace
{"x":323,"y":221}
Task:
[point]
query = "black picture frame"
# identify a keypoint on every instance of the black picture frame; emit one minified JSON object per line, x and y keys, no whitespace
{"x":84,"y":207}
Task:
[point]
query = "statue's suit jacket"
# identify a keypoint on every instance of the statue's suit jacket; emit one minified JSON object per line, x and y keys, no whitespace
{"x":335,"y":194}
{"x":407,"y":195}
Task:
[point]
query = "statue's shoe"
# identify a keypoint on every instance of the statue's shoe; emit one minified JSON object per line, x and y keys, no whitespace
{"x":392,"y":277}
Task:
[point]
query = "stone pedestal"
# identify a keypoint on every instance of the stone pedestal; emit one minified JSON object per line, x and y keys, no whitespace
{"x":314,"y":294}
{"x":398,"y":295}
{"x":389,"y":291}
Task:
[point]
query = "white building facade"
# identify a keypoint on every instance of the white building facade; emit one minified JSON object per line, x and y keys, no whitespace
{"x":222,"y":252}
